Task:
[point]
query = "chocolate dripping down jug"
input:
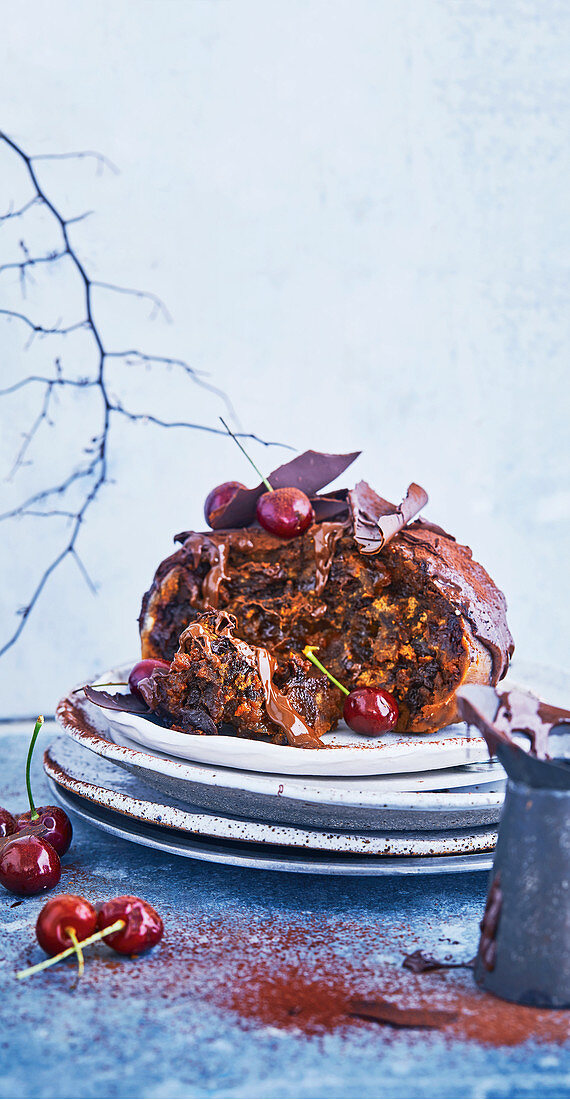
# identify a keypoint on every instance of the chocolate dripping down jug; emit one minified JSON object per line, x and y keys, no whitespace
{"x":524,"y":949}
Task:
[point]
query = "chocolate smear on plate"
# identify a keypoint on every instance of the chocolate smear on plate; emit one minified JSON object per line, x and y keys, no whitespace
{"x":376,"y":520}
{"x":310,"y":471}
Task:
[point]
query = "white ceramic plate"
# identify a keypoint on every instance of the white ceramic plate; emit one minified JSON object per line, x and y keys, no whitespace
{"x":469,"y":795}
{"x":345,"y":754}
{"x":258,"y":858}
{"x":76,"y":771}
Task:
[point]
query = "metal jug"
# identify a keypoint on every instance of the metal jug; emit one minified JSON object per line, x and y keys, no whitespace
{"x":524,"y":949}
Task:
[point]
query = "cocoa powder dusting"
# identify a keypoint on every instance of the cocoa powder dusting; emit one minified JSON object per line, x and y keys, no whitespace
{"x":311,"y":979}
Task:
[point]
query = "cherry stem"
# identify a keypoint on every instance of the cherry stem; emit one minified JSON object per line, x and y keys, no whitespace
{"x":309,"y":652}
{"x":80,"y":960}
{"x":250,"y":460}
{"x":39,"y":723}
{"x":116,"y":927}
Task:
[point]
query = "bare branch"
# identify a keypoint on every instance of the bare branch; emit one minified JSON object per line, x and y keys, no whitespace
{"x":23,"y":210}
{"x":102,"y":161}
{"x":159,"y":306}
{"x":91,"y":476}
{"x":42,"y":330}
{"x":29,"y":436}
{"x":149,"y":418}
{"x":133,"y":355}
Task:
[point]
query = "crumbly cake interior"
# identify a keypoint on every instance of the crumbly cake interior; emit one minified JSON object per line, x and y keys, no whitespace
{"x":378,"y":621}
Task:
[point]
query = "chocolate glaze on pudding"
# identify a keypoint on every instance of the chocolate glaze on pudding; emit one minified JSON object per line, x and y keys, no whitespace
{"x":418,"y":619}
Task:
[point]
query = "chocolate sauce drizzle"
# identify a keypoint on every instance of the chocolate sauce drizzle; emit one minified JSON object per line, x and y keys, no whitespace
{"x":326,"y":537}
{"x":277,"y":706}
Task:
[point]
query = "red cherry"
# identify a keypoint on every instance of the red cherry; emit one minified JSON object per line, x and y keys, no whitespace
{"x":371,"y":711}
{"x":7,"y":823}
{"x":219,"y":497}
{"x":143,"y":927}
{"x":142,"y":671}
{"x":58,"y":915}
{"x":53,"y":825}
{"x":29,"y":865}
{"x":285,"y":512}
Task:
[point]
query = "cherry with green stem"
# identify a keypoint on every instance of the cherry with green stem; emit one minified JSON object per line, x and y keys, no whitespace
{"x":73,"y":950}
{"x":55,"y":825}
{"x":285,"y":512}
{"x":369,"y":711}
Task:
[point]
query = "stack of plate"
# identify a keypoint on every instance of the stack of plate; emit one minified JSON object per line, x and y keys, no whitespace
{"x":392,"y":805}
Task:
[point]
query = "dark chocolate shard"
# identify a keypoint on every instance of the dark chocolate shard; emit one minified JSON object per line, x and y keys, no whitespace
{"x":386,"y":1012}
{"x":310,"y":471}
{"x":376,"y":520}
{"x":419,"y":962}
{"x":126,"y":702}
{"x":330,"y":506}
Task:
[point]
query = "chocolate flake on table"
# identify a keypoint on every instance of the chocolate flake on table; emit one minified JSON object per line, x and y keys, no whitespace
{"x":386,"y":1012}
{"x":419,"y":962}
{"x":376,"y":520}
{"x":126,"y":702}
{"x":310,"y":471}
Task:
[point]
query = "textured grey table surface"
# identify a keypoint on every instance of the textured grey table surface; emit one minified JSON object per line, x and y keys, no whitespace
{"x":249,"y":993}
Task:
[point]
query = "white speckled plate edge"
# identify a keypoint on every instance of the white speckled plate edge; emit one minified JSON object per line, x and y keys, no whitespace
{"x":76,"y":773}
{"x":362,"y":803}
{"x":397,"y":813}
{"x":345,"y":754}
{"x":267,"y":859}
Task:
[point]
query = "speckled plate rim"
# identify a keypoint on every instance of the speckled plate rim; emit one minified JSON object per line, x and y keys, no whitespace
{"x":71,"y":775}
{"x":224,"y":827}
{"x":345,"y":754}
{"x":243,"y":855}
{"x":85,"y":724}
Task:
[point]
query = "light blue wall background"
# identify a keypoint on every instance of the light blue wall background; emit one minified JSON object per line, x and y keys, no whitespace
{"x":357,"y":215}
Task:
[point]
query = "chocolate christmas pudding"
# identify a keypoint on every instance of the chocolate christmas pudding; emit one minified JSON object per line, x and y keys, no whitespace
{"x":293,"y":583}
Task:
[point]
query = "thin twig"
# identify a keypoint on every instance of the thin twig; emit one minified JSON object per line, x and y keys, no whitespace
{"x":93,"y":474}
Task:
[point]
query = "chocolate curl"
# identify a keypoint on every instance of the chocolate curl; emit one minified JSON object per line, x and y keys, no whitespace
{"x":310,"y":471}
{"x":376,"y":520}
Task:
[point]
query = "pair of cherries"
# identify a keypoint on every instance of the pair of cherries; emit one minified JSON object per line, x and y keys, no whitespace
{"x":31,"y":843}
{"x":285,"y":512}
{"x":68,"y":923}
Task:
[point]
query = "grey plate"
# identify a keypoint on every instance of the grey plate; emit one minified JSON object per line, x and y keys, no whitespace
{"x":465,"y":797}
{"x":257,"y":857}
{"x":80,"y":773}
